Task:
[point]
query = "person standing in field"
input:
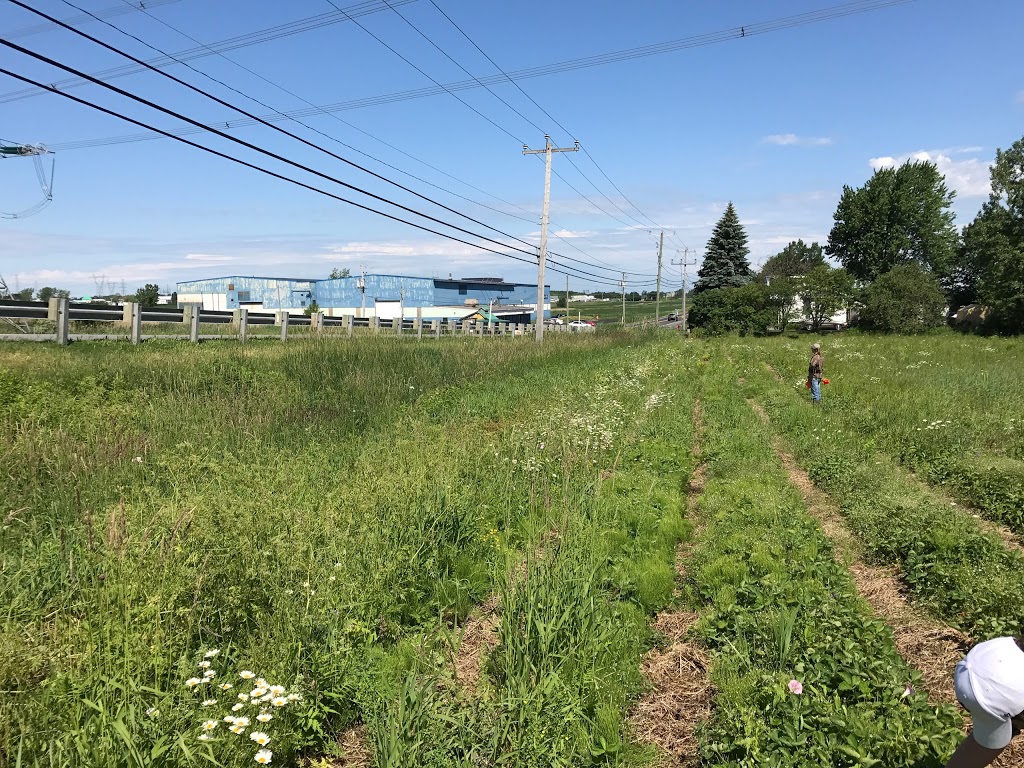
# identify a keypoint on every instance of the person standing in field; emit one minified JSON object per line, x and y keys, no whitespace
{"x":989,"y":683}
{"x":815,"y":372}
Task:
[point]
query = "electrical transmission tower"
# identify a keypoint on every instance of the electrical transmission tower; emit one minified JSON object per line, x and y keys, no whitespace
{"x":36,"y":152}
{"x":6,"y":295}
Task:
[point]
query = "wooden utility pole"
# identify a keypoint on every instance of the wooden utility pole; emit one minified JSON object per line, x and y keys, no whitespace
{"x":622,"y":284}
{"x":542,"y":255}
{"x":657,"y":294}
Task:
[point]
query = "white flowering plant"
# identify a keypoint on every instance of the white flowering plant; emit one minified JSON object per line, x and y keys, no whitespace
{"x":240,"y":718}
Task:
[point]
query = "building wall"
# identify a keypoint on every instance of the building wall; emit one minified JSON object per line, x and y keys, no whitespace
{"x":436,"y":298}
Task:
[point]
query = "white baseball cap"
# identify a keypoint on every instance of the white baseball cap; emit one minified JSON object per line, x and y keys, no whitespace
{"x":990,"y":683}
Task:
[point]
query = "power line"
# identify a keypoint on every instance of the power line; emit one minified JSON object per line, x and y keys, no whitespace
{"x":239,"y":41}
{"x":567,"y":270}
{"x":221,"y":101}
{"x":117,"y":10}
{"x":248,"y":114}
{"x":733,"y":33}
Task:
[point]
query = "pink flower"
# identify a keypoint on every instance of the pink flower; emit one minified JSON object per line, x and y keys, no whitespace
{"x":796,"y":687}
{"x":908,"y":691}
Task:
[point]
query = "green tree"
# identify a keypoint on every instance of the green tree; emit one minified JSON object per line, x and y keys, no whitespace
{"x":337,"y":274}
{"x":148,"y":296}
{"x":796,"y":259}
{"x":750,"y":309}
{"x":312,"y":309}
{"x":900,"y":216}
{"x":725,"y":258}
{"x":906,"y":299}
{"x":25,"y":294}
{"x":826,"y":290}
{"x":46,"y":293}
{"x":991,"y":264}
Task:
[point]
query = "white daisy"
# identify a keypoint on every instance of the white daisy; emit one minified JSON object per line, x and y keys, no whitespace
{"x":245,"y":674}
{"x":192,"y":682}
{"x":237,"y":707}
{"x":209,"y":702}
{"x":211,"y":653}
{"x":260,"y":738}
{"x":204,"y":665}
{"x":264,"y":756}
{"x":209,"y":725}
{"x":225,"y":686}
{"x":264,"y":717}
{"x":280,"y":701}
{"x":277,"y":690}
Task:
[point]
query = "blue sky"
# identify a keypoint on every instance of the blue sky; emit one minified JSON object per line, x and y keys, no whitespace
{"x":776,"y":122}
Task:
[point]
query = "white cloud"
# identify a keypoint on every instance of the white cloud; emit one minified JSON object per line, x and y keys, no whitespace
{"x":208,"y":258}
{"x":791,"y":139}
{"x":969,"y":177}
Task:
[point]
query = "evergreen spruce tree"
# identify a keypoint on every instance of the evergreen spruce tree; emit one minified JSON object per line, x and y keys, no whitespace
{"x":725,"y":259}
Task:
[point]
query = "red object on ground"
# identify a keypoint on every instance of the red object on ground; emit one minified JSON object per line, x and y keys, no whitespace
{"x":824,"y":381}
{"x":807,"y":385}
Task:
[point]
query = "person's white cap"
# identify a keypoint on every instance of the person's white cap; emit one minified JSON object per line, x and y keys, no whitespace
{"x":990,"y":683}
{"x":815,"y":345}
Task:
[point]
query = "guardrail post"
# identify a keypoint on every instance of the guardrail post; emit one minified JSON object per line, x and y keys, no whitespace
{"x":396,"y":325}
{"x":492,"y":328}
{"x":282,"y":320}
{"x":435,"y":327}
{"x":316,"y":322}
{"x":62,"y":314}
{"x":375,"y":324}
{"x":419,"y":323}
{"x":479,"y":327}
{"x":193,"y":323}
{"x":349,"y":324}
{"x":242,"y":318}
{"x":53,"y":308}
{"x":126,"y":313}
{"x":136,"y":320}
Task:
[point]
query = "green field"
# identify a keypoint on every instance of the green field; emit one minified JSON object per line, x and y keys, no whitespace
{"x":473,"y":552}
{"x":636,"y":311}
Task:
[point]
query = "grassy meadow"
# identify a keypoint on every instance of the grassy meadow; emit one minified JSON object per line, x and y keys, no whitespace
{"x":356,"y":552}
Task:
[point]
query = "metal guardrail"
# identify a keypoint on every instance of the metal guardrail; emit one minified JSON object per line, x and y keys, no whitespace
{"x":132,"y":316}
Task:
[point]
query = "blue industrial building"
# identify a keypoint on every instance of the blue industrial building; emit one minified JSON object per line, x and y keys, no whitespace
{"x":384,"y":296}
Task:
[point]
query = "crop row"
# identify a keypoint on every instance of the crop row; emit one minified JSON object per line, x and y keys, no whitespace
{"x":962,"y":574}
{"x":573,"y":616}
{"x":949,"y":408}
{"x":804,"y":674}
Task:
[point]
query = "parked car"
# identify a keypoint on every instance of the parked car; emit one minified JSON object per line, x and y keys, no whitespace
{"x":673,"y":317}
{"x":581,"y":325}
{"x":556,"y":320}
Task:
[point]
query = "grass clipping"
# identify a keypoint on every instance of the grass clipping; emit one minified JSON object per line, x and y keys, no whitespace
{"x":680,"y":697}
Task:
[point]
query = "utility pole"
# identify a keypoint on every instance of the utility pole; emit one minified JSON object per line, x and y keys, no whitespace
{"x":567,"y":297}
{"x":401,"y":308}
{"x":542,"y":256}
{"x":361,"y":284}
{"x":657,"y":294}
{"x":622,"y":284}
{"x":683,"y":264}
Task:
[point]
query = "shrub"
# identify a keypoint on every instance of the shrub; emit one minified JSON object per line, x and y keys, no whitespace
{"x":906,"y":299}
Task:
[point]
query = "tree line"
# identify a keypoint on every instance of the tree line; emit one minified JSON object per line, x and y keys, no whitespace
{"x":903,"y":266}
{"x":148,"y":295}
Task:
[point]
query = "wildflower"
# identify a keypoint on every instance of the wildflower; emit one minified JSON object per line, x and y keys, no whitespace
{"x":294,"y":697}
{"x":211,"y":653}
{"x":261,"y":683}
{"x":192,"y":682}
{"x":225,"y":686}
{"x":266,"y":697}
{"x":209,"y":702}
{"x":236,"y":728}
{"x":796,"y":687}
{"x":209,"y":725}
{"x":280,"y":701}
{"x":205,"y":737}
{"x":277,"y":690}
{"x":153,"y":712}
{"x":257,"y":692}
{"x":245,"y":674}
{"x":204,"y":665}
{"x":908,"y":692}
{"x":263,"y":757}
{"x":260,"y":738}
{"x":137,"y":459}
{"x":242,"y":721}
{"x":229,"y":718}
{"x":209,"y":674}
{"x":237,"y":707}
{"x":305,"y":584}
{"x":264,"y":717}
{"x":542,"y":446}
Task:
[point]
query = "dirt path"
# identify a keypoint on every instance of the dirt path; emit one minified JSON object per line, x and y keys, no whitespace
{"x":669,"y":714}
{"x":927,"y":645}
